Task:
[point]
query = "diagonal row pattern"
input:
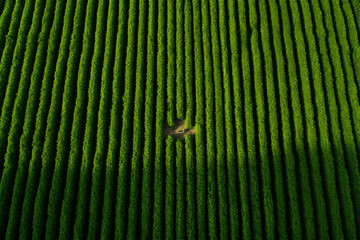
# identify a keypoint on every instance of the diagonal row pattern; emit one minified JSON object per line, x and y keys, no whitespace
{"x":88,"y":87}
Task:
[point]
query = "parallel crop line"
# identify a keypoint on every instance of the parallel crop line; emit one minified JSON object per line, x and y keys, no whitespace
{"x":13,"y":108}
{"x":273,"y":113}
{"x":67,"y":216}
{"x":292,"y":197}
{"x":345,"y":103}
{"x":138,"y":125}
{"x":250,"y":130}
{"x":159,"y":186}
{"x":180,"y":220}
{"x":200,"y":142}
{"x":118,"y":73}
{"x":229,"y":126}
{"x":27,"y":126}
{"x":219,"y":120}
{"x":353,"y":37}
{"x":20,"y":18}
{"x":150,"y":101}
{"x":170,"y":192}
{"x":80,"y":227}
{"x":306,"y":202}
{"x":171,"y":64}
{"x":45,"y":151}
{"x":58,"y":45}
{"x":62,"y":103}
{"x":209,"y":121}
{"x":189,"y":65}
{"x":347,"y":44}
{"x":125,"y":142}
{"x":190,"y":188}
{"x":106,"y":45}
{"x":260,"y":123}
{"x":238,"y":95}
{"x":341,"y":171}
{"x":5,"y":21}
{"x":325,"y":152}
{"x":10,"y":71}
{"x":180,"y":61}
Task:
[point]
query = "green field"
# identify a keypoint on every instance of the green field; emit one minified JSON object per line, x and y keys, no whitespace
{"x":267,"y":93}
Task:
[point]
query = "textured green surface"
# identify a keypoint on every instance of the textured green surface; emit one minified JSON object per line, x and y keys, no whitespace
{"x":272,"y":88}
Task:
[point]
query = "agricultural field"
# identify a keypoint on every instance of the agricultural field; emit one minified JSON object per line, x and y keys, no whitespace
{"x":179,"y":119}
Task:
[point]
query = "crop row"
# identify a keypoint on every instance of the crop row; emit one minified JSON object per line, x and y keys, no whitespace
{"x":271,"y":88}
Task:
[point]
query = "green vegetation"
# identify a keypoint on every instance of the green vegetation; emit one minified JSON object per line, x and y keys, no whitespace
{"x":269,"y":90}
